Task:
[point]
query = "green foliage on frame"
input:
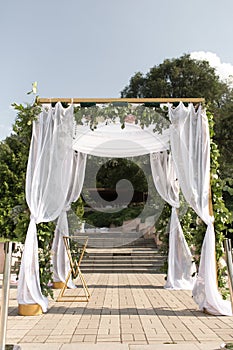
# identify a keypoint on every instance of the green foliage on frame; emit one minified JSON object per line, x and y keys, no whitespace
{"x":111,"y":113}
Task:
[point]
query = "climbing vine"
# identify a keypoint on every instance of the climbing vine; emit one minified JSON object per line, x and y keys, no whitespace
{"x":223,"y":217}
{"x":162,"y":232}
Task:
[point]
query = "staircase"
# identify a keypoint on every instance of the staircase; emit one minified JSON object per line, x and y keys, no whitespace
{"x":140,"y":256}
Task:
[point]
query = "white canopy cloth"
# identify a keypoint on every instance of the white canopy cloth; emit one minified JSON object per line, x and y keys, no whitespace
{"x":47,"y":184}
{"x":112,"y":141}
{"x":190,"y":146}
{"x":181,"y":268}
{"x":61,"y":264}
{"x":49,"y":189}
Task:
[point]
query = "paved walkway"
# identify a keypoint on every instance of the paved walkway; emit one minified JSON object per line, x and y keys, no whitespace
{"x":125,"y":311}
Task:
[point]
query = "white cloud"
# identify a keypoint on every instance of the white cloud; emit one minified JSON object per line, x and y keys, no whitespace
{"x":223,"y":70}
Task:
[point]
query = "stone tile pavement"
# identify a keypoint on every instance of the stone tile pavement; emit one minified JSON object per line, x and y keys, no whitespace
{"x":125,"y":311}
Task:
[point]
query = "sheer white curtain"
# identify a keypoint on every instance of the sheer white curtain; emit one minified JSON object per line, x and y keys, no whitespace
{"x":180,"y":265}
{"x":190,"y":145}
{"x":60,"y":259}
{"x":47,"y":185}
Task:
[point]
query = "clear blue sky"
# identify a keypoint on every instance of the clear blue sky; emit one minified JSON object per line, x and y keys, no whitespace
{"x":91,"y":48}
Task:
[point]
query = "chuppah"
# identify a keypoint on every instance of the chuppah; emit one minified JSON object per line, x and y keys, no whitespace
{"x":179,"y":152}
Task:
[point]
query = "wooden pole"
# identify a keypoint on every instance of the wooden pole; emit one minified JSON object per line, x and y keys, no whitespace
{"x":211,"y":211}
{"x":44,"y":100}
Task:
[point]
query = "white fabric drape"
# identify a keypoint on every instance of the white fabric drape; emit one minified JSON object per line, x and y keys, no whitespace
{"x":180,"y":265}
{"x":190,"y":145}
{"x":113,"y":141}
{"x":60,"y":259}
{"x":47,"y":184}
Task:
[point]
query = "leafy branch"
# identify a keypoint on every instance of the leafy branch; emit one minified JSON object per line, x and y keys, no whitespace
{"x":112,"y":113}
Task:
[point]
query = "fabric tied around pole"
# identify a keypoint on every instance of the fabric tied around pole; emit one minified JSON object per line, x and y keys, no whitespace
{"x":29,"y":290}
{"x":205,"y":291}
{"x":61,"y":264}
{"x":60,"y":260}
{"x":181,"y":268}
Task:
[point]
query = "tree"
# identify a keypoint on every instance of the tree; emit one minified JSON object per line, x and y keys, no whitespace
{"x":178,"y":77}
{"x":186,"y":77}
{"x":13,"y":162}
{"x":8,"y":186}
{"x":223,"y":135}
{"x":117,"y":168}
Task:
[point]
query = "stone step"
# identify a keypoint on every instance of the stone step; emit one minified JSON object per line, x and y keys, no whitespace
{"x":123,"y":263}
{"x":127,"y":269}
{"x":121,"y":242}
{"x":117,"y":245}
{"x":123,"y":258}
{"x":140,"y":256}
{"x":122,"y":252}
{"x":120,"y":270}
{"x":121,"y":266}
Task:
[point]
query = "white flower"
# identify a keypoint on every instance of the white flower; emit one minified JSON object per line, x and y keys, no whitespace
{"x":34,"y":87}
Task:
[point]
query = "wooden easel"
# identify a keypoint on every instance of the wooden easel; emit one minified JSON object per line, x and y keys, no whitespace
{"x":74,"y":271}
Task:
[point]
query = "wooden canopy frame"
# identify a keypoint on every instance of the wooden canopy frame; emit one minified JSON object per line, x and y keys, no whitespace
{"x":44,"y":100}
{"x":197,"y":100}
